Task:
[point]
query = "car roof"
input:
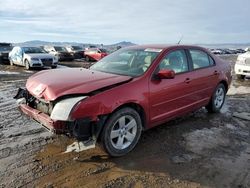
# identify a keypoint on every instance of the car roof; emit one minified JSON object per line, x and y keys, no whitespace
{"x":165,"y":46}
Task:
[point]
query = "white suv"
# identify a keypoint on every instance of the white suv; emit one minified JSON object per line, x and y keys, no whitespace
{"x":242,"y":65}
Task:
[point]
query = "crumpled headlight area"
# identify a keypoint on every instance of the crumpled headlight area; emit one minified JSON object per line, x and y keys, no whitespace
{"x":62,"y":109}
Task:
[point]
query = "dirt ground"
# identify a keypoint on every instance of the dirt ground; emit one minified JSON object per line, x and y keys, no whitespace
{"x":196,"y":150}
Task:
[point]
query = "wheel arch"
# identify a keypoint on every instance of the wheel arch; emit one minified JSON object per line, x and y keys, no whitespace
{"x":137,"y":107}
{"x":25,"y":59}
{"x":225,"y":84}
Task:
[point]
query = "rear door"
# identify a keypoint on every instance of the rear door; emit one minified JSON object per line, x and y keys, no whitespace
{"x":171,"y":97}
{"x":204,"y":75}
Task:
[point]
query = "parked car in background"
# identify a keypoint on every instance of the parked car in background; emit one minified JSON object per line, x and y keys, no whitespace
{"x":95,"y":54}
{"x":130,"y":90}
{"x":227,"y":51}
{"x":32,"y":57}
{"x":216,"y":51}
{"x":76,"y":51}
{"x":5,"y":48}
{"x":242,"y":65}
{"x":60,"y":52}
{"x":240,"y":51}
{"x":90,"y":46}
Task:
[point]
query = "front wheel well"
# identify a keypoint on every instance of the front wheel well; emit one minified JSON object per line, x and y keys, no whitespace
{"x":103,"y":118}
{"x":137,"y":108}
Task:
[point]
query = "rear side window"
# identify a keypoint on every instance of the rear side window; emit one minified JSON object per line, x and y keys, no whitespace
{"x":200,"y":59}
{"x":176,"y":61}
{"x":211,"y":60}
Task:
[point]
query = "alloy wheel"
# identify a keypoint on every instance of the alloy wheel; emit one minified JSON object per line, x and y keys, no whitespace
{"x":219,"y":97}
{"x":123,"y":132}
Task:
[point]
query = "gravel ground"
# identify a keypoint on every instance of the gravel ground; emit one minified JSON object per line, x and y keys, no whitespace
{"x":196,"y":150}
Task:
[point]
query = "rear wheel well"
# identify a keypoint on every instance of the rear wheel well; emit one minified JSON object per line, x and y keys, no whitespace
{"x":225,"y":84}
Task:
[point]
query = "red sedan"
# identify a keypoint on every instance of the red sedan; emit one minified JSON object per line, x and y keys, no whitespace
{"x":95,"y":54}
{"x":131,"y":90}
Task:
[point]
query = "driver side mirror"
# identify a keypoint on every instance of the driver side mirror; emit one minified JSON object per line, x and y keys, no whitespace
{"x":166,"y":74}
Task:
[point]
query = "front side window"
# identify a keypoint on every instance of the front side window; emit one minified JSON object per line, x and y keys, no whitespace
{"x":200,"y":59}
{"x":131,"y":62}
{"x":176,"y":61}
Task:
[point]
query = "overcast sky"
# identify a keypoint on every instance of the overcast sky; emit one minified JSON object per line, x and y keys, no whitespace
{"x":138,"y":21}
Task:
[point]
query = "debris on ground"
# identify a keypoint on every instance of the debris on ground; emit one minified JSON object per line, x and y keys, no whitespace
{"x":242,"y":115}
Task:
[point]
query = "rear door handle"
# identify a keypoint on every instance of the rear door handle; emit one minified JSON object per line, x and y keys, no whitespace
{"x":187,"y":80}
{"x":216,"y":72}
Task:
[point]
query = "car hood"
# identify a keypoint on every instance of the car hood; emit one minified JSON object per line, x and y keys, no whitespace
{"x":40,"y":55}
{"x":245,"y":55}
{"x":51,"y":84}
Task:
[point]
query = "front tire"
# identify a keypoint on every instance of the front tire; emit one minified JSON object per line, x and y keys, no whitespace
{"x":217,"y":99}
{"x":53,"y":66}
{"x":121,"y":132}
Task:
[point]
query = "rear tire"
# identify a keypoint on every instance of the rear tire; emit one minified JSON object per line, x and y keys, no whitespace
{"x":241,"y":77}
{"x":54,"y":66}
{"x":27,"y":64}
{"x":121,"y":132}
{"x":217,"y":100}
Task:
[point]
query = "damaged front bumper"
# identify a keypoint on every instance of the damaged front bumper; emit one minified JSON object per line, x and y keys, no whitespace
{"x":24,"y":101}
{"x":57,"y":127}
{"x":82,"y":129}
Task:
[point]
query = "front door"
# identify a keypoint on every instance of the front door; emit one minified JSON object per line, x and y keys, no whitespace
{"x":170,"y":97}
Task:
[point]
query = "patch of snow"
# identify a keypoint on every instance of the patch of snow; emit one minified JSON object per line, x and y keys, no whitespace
{"x":62,"y":67}
{"x":238,"y":90}
{"x":205,"y":139}
{"x":8,"y":72}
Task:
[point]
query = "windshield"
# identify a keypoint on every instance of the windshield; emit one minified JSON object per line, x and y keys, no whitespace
{"x":60,"y":49}
{"x":6,"y":48}
{"x":76,"y":48}
{"x":33,"y":50}
{"x":103,"y":50}
{"x":129,"y":62}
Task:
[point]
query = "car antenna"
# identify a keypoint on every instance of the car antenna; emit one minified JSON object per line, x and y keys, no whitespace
{"x":180,"y":39}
